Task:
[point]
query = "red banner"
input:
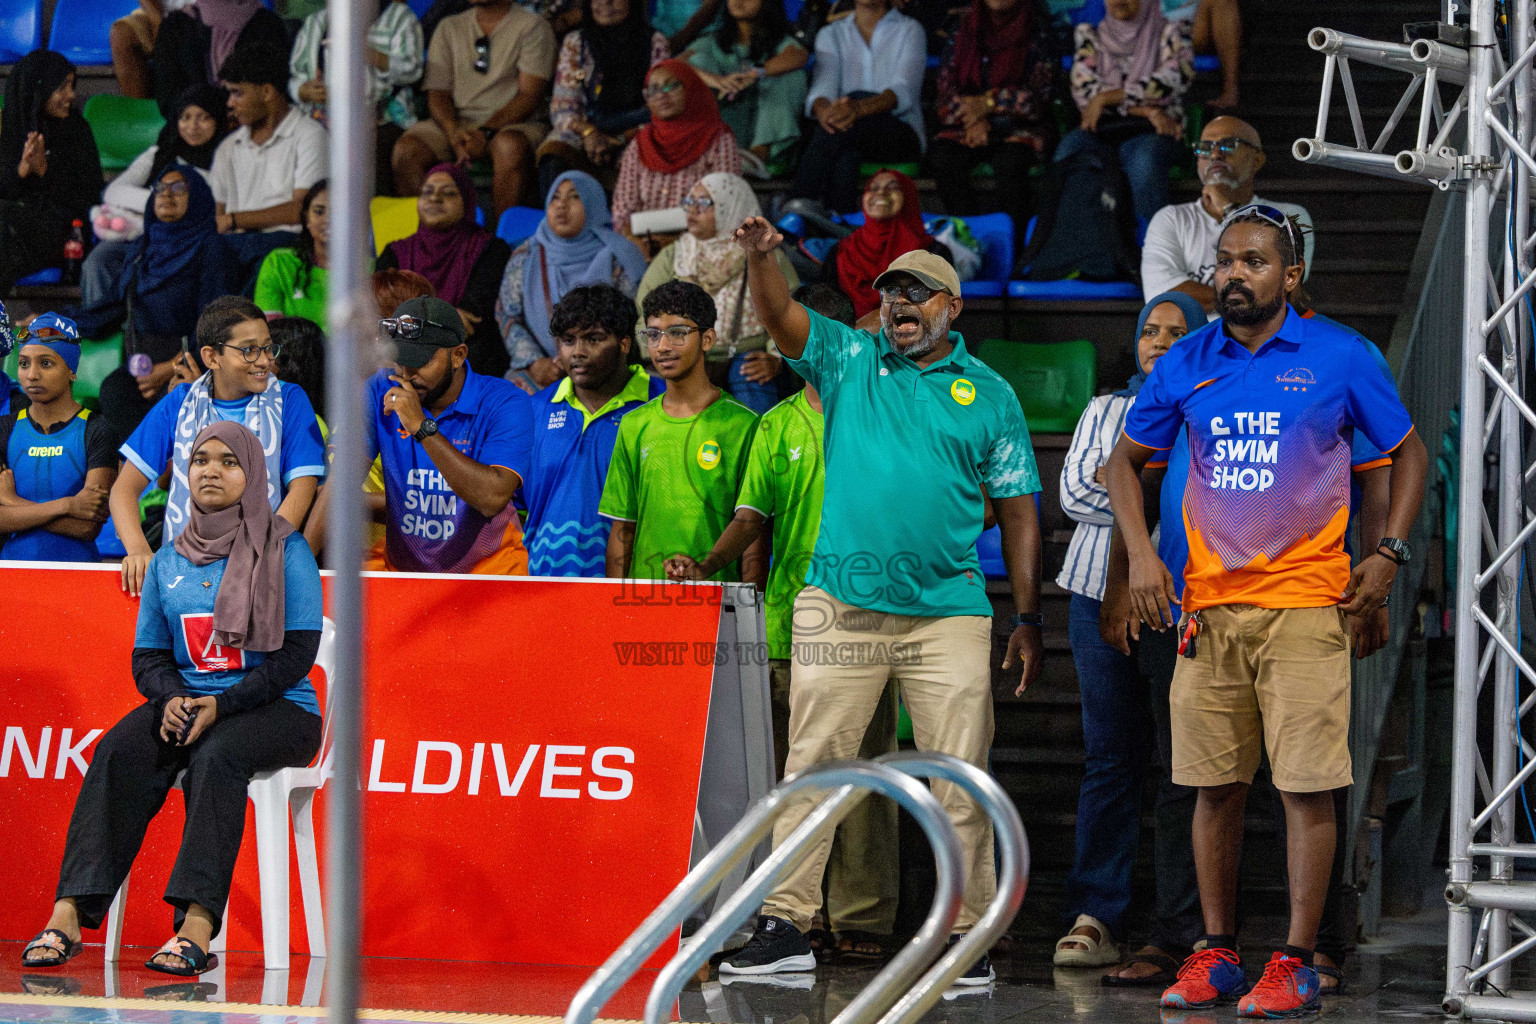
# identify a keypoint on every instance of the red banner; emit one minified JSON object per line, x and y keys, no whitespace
{"x":530,"y":773}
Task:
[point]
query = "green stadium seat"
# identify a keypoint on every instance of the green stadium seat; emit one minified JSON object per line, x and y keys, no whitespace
{"x":97,"y":359}
{"x":123,"y":128}
{"x":870,"y":170}
{"x":1054,"y":382}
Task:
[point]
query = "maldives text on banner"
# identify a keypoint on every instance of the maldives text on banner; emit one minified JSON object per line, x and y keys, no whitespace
{"x":531,"y":770}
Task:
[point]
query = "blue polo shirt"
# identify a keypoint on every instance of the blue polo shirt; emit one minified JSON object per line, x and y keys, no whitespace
{"x":176,"y":615}
{"x":1267,"y":502}
{"x":567,"y":467}
{"x":427,"y":527}
{"x":908,"y":451}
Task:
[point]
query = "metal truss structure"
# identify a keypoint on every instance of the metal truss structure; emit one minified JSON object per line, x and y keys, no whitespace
{"x":1489,"y":57}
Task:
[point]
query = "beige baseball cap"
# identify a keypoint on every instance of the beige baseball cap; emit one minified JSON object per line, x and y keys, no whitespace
{"x":933,"y":271}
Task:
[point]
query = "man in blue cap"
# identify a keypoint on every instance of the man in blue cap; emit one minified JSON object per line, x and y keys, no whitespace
{"x":57,"y":461}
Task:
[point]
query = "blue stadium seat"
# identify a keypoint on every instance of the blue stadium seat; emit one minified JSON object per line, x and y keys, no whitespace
{"x":792,"y":9}
{"x":80,"y":28}
{"x":419,"y":7}
{"x":21,"y":28}
{"x":1074,"y":291}
{"x":989,"y":550}
{"x":518,"y":224}
{"x":50,"y":275}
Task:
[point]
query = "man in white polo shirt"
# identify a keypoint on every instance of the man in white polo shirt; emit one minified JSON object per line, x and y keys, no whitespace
{"x":1179,"y":253}
{"x":261,"y":172}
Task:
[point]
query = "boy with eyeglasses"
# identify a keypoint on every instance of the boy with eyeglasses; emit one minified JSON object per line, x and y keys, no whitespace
{"x":1179,"y":253}
{"x":679,"y":459}
{"x":239,"y":386}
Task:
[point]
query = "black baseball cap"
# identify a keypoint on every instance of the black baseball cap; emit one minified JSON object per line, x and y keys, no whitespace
{"x":421,"y":327}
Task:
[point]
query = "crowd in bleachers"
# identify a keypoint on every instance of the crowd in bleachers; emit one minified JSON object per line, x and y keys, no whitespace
{"x":590,"y":385}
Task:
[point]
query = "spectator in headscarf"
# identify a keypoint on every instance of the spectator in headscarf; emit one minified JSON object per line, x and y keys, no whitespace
{"x":758,"y":73}
{"x":742,"y":360}
{"x":893,"y":224}
{"x":598,"y":103}
{"x":193,"y":44}
{"x":172,"y":271}
{"x":50,"y":172}
{"x":462,"y":261}
{"x":685,"y":140}
{"x":199,"y":124}
{"x":994,"y":100}
{"x":1129,"y":78}
{"x":574,"y":245}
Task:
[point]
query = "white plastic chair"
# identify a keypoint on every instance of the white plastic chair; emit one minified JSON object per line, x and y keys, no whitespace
{"x":275,"y":795}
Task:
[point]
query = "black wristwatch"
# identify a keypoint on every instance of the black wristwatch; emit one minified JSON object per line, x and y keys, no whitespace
{"x":1395,"y":549}
{"x":426,"y":430}
{"x":1029,"y":619}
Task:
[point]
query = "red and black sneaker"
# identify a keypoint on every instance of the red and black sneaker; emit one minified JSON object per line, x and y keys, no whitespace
{"x":1208,"y":977}
{"x":1289,"y":988}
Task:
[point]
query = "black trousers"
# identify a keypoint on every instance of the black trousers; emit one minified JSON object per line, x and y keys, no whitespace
{"x":953,"y":162}
{"x":829,"y":168}
{"x":126,"y":785}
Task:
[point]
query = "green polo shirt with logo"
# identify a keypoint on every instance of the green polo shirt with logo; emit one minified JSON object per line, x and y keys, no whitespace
{"x":908,"y":451}
{"x":677,"y":480}
{"x":784,"y":481}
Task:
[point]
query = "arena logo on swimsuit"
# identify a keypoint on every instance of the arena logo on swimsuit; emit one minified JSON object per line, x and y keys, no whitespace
{"x":443,"y":773}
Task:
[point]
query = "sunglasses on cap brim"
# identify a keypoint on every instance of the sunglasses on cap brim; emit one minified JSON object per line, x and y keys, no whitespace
{"x":408,"y":328}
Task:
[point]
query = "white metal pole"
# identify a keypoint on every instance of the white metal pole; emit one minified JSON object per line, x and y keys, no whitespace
{"x":348,"y":313}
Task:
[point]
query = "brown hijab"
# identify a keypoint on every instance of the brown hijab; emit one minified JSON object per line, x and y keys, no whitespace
{"x":248,"y":611}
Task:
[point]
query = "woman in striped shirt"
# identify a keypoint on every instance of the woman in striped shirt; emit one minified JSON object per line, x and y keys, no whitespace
{"x":1116,"y":725}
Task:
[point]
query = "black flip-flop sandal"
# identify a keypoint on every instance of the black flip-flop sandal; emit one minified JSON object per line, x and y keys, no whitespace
{"x":196,"y":959}
{"x":848,"y":944}
{"x":52,"y":938}
{"x":1167,"y":972}
{"x":1331,"y":972}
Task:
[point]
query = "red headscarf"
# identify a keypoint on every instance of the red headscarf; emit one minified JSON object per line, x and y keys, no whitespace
{"x":1002,"y":42}
{"x":864,"y":255}
{"x":667,"y":147}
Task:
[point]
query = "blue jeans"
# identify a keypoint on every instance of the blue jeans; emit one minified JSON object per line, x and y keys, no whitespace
{"x":757,"y":397}
{"x":1115,"y":735}
{"x":1144,"y":158}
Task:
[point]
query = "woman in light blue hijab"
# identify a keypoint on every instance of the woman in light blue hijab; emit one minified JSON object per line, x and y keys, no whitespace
{"x":575,"y":244}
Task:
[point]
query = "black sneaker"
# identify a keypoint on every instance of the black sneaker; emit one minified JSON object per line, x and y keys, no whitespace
{"x":979,"y":973}
{"x":775,"y":947}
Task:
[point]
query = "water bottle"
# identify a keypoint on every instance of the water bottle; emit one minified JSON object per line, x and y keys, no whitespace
{"x":74,"y":252}
{"x":140,"y":365}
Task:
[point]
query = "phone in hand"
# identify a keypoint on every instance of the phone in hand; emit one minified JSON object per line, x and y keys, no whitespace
{"x":186,"y":727}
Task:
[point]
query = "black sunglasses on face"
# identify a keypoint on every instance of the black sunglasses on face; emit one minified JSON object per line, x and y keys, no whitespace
{"x":916,"y":293}
{"x":483,"y":54}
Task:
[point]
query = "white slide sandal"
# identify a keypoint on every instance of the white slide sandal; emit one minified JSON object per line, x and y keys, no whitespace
{"x":1085,"y":950}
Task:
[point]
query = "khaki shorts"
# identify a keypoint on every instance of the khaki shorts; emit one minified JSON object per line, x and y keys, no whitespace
{"x":1274,"y":679}
{"x":431,"y":134}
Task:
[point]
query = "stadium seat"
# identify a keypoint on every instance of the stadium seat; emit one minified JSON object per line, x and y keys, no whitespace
{"x":48,"y":275}
{"x":518,"y":224}
{"x":1074,"y":290}
{"x":81,"y":28}
{"x":393,"y":218}
{"x":419,"y":7}
{"x":273,"y":794}
{"x":1054,"y":382}
{"x":911,"y":170}
{"x":21,"y":28}
{"x":123,"y":128}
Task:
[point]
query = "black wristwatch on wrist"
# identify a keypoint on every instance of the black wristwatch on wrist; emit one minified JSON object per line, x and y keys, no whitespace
{"x":426,"y":430}
{"x":1395,"y":549}
{"x":1029,"y":619}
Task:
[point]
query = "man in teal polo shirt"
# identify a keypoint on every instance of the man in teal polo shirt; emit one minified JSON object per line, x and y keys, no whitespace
{"x":918,"y":435}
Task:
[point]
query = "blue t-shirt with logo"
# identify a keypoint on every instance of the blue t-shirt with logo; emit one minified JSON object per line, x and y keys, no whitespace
{"x":176,"y":614}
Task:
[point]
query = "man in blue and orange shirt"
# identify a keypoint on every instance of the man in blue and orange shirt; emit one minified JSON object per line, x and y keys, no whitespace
{"x":1270,"y":402}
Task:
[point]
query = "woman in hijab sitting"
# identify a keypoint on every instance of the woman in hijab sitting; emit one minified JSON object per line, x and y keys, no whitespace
{"x":229,"y":626}
{"x":574,"y":245}
{"x":893,"y":225}
{"x":172,"y":272}
{"x":994,"y":101}
{"x":685,"y":140}
{"x":50,"y":172}
{"x":461,"y":260}
{"x":193,"y":44}
{"x":1129,"y":78}
{"x":742,"y":360}
{"x":598,"y":103}
{"x":190,"y":137}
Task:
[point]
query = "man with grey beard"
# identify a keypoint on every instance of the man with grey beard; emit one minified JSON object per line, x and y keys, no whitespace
{"x":1179,"y":253}
{"x":919,"y":434}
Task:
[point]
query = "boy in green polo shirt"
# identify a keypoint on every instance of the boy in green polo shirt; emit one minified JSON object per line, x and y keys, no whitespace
{"x":678,"y":460}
